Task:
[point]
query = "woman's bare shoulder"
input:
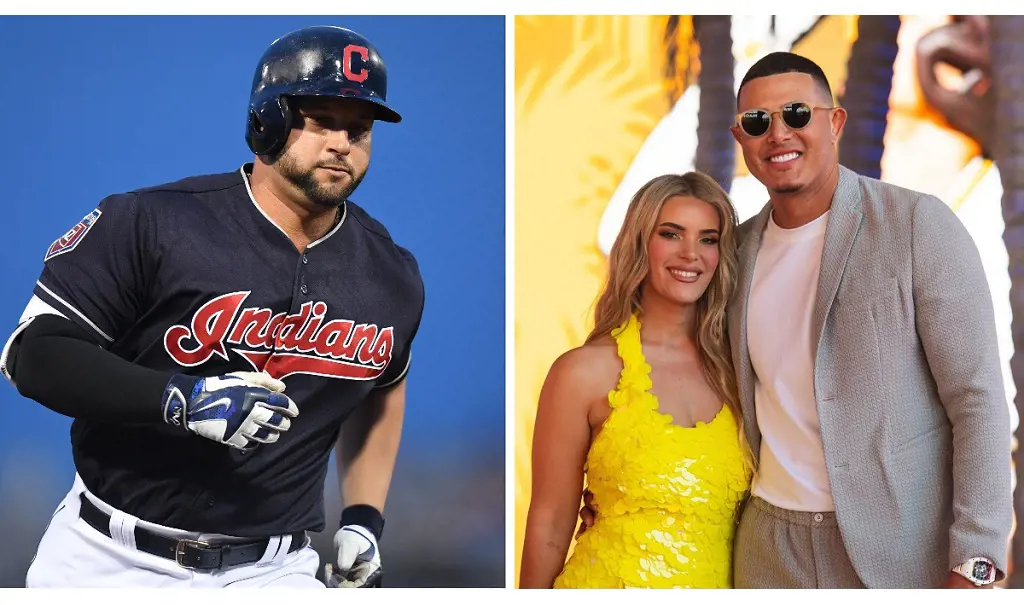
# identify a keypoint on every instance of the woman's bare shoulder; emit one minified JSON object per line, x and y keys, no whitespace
{"x":591,"y":369}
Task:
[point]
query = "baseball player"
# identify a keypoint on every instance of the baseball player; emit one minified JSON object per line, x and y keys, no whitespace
{"x":215,"y":338}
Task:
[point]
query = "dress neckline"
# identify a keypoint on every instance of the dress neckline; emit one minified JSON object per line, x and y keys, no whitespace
{"x":636,"y":374}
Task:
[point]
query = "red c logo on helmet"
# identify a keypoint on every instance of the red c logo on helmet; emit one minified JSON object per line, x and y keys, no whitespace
{"x":351,"y":49}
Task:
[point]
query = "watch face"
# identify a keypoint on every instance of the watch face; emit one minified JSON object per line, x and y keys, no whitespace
{"x":981,"y":570}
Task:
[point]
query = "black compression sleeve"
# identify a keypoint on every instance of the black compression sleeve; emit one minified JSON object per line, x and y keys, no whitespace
{"x":57,"y":364}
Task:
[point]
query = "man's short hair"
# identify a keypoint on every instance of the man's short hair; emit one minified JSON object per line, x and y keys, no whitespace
{"x":783,"y":63}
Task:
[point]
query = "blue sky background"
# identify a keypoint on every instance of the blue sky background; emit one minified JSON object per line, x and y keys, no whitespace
{"x":98,"y":105}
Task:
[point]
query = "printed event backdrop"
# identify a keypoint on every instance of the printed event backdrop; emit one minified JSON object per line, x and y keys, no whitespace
{"x":603,"y":104}
{"x":96,"y":106}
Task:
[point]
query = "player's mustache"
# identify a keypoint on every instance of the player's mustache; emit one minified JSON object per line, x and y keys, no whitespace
{"x":336,"y":165}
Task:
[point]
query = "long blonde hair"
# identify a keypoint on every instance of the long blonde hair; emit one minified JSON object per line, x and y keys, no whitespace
{"x":629,"y":264}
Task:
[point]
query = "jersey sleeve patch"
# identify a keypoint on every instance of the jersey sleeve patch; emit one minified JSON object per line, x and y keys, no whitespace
{"x":68,"y":241}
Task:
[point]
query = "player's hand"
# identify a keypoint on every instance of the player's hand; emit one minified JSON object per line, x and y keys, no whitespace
{"x":358,"y":563}
{"x":240,"y":409}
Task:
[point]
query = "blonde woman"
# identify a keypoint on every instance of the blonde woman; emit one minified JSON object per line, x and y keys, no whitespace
{"x":647,"y":410}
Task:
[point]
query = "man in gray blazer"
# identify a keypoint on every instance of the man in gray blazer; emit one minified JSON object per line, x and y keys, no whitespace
{"x":864,"y":344}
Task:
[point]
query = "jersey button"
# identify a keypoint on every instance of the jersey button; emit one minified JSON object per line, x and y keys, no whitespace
{"x":304,"y":259}
{"x":304,"y":289}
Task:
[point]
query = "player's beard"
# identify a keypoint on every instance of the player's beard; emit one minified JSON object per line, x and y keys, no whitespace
{"x":305,"y":180}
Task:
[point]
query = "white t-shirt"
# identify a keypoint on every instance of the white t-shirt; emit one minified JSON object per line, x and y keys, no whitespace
{"x":792,"y":472}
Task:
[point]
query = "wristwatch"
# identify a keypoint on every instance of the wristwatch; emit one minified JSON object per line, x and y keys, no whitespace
{"x":980,"y":571}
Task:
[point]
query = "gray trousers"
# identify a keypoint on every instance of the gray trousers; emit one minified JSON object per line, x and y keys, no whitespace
{"x":777,"y":548}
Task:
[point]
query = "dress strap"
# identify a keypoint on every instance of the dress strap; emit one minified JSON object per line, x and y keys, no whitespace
{"x":635,"y":378}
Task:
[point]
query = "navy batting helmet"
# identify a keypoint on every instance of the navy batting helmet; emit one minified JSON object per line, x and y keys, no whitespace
{"x":315,"y":61}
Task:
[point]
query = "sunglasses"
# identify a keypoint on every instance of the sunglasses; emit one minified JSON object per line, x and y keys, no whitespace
{"x":796,"y":115}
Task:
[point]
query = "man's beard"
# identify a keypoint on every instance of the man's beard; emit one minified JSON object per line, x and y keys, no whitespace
{"x":313,"y":189}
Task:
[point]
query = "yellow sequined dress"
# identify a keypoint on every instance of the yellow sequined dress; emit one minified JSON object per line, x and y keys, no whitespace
{"x":667,"y":496}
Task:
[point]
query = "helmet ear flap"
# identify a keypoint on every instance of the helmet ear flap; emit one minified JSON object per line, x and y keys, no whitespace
{"x":286,"y":114}
{"x":268,"y":126}
{"x":255,"y":131}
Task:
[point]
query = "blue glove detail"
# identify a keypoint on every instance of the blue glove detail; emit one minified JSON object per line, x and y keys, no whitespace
{"x":241,"y":409}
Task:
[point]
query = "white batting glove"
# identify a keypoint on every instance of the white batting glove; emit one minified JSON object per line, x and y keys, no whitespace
{"x":358,"y":563}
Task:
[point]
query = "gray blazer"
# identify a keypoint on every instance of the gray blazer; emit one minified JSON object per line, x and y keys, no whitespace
{"x":907,"y":383}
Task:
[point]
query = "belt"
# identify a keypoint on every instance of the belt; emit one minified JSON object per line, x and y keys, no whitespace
{"x":190,"y":554}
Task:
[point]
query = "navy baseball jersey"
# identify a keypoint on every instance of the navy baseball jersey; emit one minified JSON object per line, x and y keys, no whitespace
{"x":193,"y":277}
